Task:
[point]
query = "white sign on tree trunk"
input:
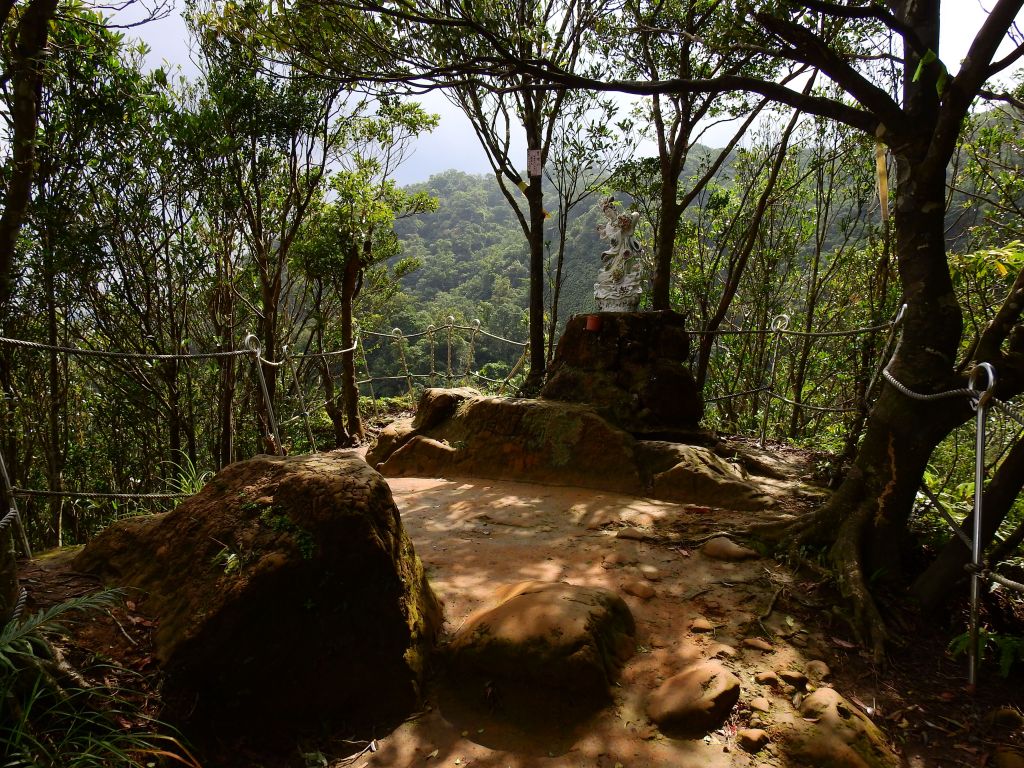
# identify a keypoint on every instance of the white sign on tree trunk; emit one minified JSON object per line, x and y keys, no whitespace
{"x":533,"y":166}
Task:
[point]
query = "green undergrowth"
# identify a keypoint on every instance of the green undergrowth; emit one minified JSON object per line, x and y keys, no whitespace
{"x":51,"y":717}
{"x":1007,"y":650}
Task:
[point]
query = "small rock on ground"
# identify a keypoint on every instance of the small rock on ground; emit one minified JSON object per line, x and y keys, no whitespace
{"x":701,"y":625}
{"x":752,"y":739}
{"x":760,"y":704}
{"x":721,"y":651}
{"x":650,"y":572}
{"x":792,"y":677}
{"x":638,"y":588}
{"x":817,"y":671}
{"x":696,"y":700}
{"x":722,"y":548}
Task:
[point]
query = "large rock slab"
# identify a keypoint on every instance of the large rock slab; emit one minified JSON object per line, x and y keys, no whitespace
{"x":459,"y":433}
{"x":554,"y":638}
{"x":510,"y":439}
{"x":286,"y":596}
{"x":632,"y":369}
{"x":695,"y":701}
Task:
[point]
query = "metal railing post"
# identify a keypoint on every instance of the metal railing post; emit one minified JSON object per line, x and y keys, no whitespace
{"x":253,"y":344}
{"x":779,"y":324}
{"x":981,"y":408}
{"x":12,"y":513}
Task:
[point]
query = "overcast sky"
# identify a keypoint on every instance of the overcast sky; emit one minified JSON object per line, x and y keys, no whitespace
{"x":454,"y":145}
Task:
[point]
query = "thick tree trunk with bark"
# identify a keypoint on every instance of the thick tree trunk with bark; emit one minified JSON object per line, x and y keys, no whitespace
{"x":535,"y":200}
{"x":26,"y":76}
{"x":865,"y":523}
{"x":665,"y":240}
{"x":25,"y":69}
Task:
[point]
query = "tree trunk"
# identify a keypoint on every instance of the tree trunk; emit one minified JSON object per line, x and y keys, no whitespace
{"x":222,"y":314}
{"x":8,"y":561}
{"x":334,"y":412}
{"x":25,"y":69}
{"x":866,"y":520}
{"x":556,"y":288}
{"x":225,"y":410}
{"x":8,"y":569}
{"x":26,"y":74}
{"x":54,"y":436}
{"x":174,"y":416}
{"x":535,"y":199}
{"x":665,"y":239}
{"x":271,"y":295}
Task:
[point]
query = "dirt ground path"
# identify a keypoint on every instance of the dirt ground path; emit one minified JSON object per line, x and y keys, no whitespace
{"x":475,"y":535}
{"x":754,"y":615}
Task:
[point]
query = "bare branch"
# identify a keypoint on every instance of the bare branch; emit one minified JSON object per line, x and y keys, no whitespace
{"x":1005,"y":97}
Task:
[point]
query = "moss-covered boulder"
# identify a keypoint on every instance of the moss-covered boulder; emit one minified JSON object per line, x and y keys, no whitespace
{"x":286,"y":596}
{"x":838,"y":735}
{"x":509,"y":439}
{"x":460,"y":433}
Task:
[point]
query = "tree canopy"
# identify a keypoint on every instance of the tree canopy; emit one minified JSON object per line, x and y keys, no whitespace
{"x":883,"y":75}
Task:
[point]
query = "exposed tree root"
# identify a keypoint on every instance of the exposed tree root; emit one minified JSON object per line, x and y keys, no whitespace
{"x":774,"y":531}
{"x":867,"y":621}
{"x":843,"y":535}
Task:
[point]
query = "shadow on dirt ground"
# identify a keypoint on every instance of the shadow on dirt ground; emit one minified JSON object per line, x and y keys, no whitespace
{"x":759,"y":617}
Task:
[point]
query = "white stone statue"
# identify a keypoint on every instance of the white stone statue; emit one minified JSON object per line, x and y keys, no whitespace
{"x":618,"y":286}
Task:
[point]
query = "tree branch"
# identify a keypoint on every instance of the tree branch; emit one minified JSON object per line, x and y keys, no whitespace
{"x":810,"y":49}
{"x":872,"y":11}
{"x":962,"y":89}
{"x":1005,"y":97}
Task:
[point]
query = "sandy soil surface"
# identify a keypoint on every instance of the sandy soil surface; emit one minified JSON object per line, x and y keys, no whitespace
{"x":475,"y":535}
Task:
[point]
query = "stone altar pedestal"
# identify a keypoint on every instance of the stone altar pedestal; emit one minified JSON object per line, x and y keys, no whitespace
{"x":632,"y":368}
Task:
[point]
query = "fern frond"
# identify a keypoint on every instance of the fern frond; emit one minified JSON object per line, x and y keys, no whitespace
{"x":15,"y":633}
